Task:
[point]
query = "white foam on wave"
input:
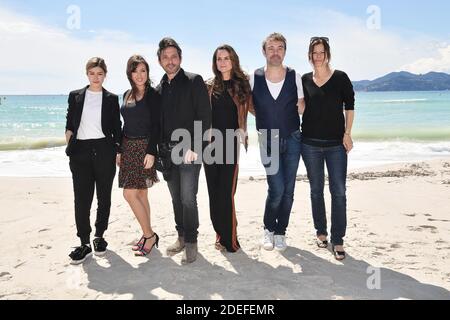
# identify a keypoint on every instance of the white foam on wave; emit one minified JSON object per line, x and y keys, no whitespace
{"x":403,"y":100}
{"x":51,"y":162}
{"x":54,"y":163}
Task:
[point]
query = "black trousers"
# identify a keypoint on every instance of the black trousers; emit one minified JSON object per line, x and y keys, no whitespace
{"x":93,"y":166}
{"x":222,"y":183}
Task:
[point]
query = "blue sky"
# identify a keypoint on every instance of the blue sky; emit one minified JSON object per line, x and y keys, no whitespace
{"x":413,"y":36}
{"x":422,"y":16}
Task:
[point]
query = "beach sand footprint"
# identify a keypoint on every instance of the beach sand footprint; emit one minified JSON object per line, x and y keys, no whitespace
{"x":421,"y":228}
{"x":438,"y":220}
{"x":41,"y":246}
{"x":428,"y":227}
{"x":410,"y":215}
{"x":5,"y":276}
{"x":21,"y":263}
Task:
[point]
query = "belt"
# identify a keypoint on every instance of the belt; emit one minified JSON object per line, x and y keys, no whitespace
{"x":136,"y":138}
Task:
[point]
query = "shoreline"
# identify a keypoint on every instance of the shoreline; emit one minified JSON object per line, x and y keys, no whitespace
{"x":54,"y":163}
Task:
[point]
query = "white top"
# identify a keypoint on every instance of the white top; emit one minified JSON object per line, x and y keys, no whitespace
{"x":275,"y":88}
{"x":91,"y":119}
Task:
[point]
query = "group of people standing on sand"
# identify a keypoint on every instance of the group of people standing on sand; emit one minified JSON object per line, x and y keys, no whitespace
{"x":184,"y":124}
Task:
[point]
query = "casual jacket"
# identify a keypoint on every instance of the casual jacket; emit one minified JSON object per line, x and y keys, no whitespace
{"x":184,"y":101}
{"x":111,"y":124}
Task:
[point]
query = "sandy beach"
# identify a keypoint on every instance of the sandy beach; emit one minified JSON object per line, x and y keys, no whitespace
{"x":398,"y":229}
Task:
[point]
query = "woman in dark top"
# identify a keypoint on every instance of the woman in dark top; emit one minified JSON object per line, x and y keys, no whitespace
{"x":231,"y":101}
{"x":326,"y":132}
{"x":93,"y":131}
{"x":140,"y":112}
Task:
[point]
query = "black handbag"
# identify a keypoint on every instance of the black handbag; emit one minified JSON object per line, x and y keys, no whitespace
{"x":163,"y":162}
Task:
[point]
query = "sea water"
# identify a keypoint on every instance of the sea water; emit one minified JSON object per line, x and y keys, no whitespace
{"x":389,"y":127}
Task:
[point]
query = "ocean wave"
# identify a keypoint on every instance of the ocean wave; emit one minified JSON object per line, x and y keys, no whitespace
{"x":53,"y":162}
{"x":440,"y":149}
{"x":427,"y":135}
{"x":398,"y":101}
{"x":31,"y":144}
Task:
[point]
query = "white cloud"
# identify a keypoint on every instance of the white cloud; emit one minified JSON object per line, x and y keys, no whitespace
{"x":37,"y":59}
{"x":440,"y":62}
{"x":361,"y":52}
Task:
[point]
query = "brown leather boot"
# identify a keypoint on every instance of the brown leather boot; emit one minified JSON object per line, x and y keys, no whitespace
{"x":175,"y":248}
{"x":190,"y":253}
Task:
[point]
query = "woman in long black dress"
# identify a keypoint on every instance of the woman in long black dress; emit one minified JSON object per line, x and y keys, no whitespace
{"x":231,"y":101}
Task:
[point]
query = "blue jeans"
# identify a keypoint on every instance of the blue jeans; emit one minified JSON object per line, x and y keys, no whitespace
{"x":183,"y":187}
{"x":281,"y":183}
{"x":336,"y":161}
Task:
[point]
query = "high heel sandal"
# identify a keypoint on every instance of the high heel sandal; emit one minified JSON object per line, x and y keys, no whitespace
{"x":322,"y":243}
{"x":142,"y":252}
{"x":338,"y":255}
{"x":138,"y":245}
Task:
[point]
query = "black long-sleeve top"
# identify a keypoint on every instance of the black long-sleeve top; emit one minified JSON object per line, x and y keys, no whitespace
{"x":183,"y":101}
{"x":224,"y":111}
{"x":142,"y":119}
{"x":323,"y":118}
{"x":225,"y":116}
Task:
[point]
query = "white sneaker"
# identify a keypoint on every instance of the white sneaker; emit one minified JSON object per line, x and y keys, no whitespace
{"x":268,"y":240}
{"x":280,"y":242}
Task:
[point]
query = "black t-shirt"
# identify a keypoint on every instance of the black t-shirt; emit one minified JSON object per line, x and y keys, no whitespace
{"x":136,"y":119}
{"x":169,"y":103}
{"x":323,"y":118}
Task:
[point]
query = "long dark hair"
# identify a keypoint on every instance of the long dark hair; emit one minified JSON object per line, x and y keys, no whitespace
{"x":240,"y":84}
{"x":317,"y":41}
{"x":132,"y":65}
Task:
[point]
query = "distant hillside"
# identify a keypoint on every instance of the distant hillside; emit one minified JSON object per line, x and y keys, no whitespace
{"x":406,"y":81}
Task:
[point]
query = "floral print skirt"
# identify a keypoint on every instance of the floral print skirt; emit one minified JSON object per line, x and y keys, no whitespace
{"x":132,"y":174}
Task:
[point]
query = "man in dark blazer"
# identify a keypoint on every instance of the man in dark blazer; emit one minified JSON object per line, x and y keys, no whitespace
{"x":184,"y":104}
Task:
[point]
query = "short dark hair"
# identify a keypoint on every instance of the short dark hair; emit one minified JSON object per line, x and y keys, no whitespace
{"x":96,"y":62}
{"x":275,"y":37}
{"x":167,"y":43}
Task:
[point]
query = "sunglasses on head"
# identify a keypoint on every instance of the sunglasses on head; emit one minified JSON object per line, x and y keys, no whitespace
{"x":320,"y":38}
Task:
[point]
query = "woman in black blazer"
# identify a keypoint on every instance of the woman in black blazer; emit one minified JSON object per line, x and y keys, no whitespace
{"x":93,"y":134}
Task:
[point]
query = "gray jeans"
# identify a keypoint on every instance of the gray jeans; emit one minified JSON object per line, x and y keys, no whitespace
{"x":183,"y":187}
